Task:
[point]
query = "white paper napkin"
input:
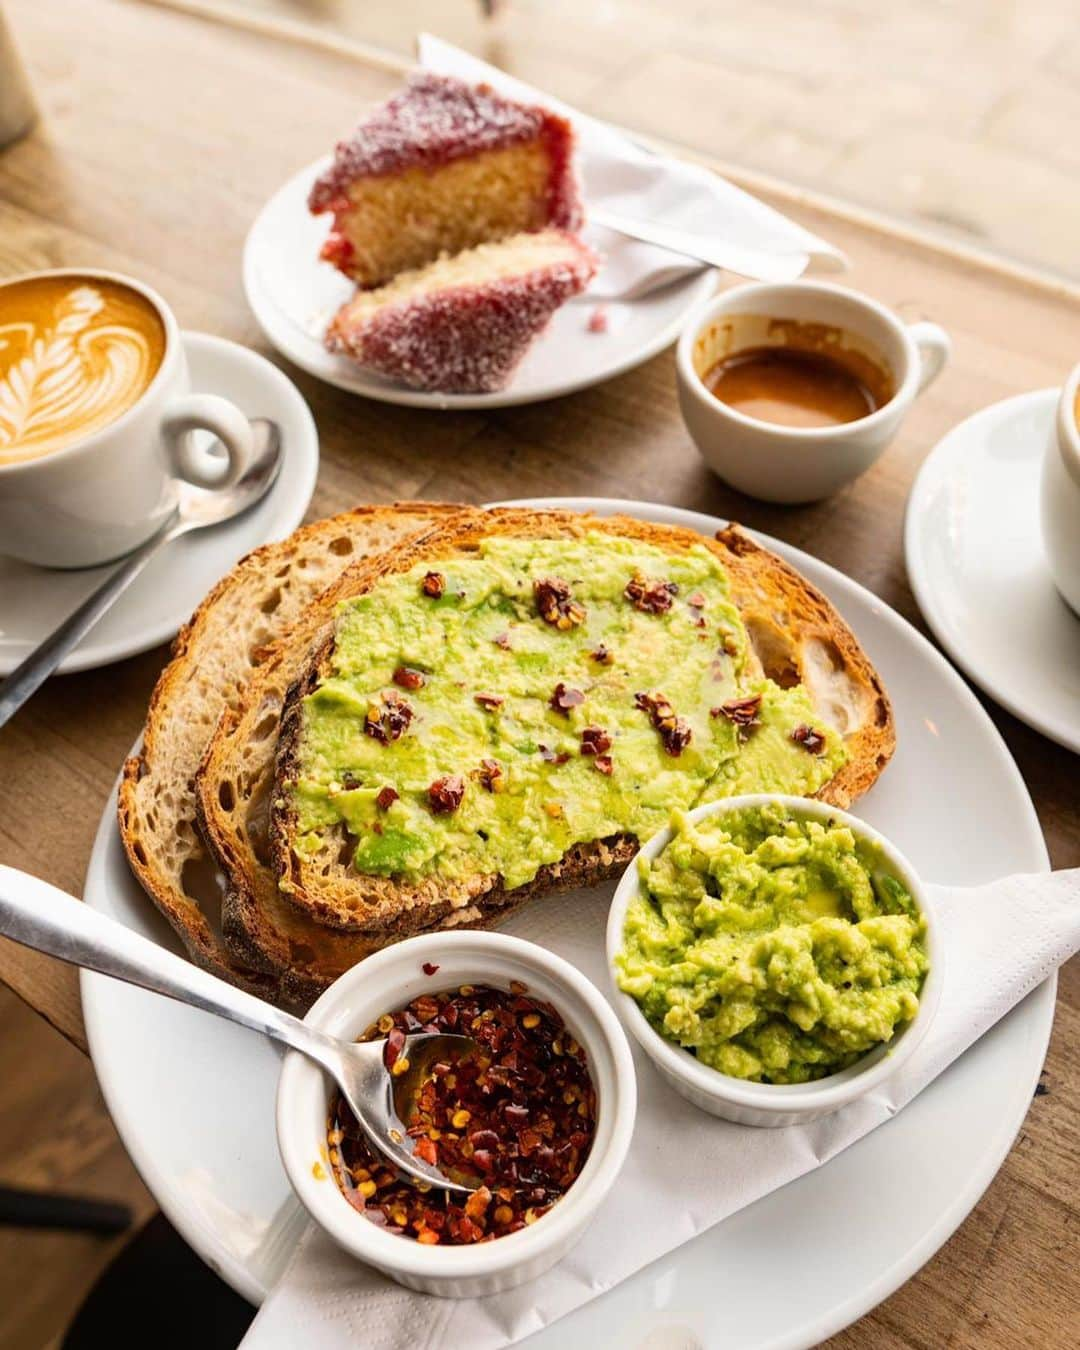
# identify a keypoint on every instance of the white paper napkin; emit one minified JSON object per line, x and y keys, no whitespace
{"x":1000,"y":941}
{"x":623,"y":176}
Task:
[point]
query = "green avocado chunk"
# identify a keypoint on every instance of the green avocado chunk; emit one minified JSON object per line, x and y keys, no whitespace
{"x":774,"y":947}
{"x":460,"y":679}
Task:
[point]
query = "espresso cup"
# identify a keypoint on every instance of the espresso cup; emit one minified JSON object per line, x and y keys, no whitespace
{"x":96,"y":496}
{"x":781,"y":463}
{"x":1060,"y":495}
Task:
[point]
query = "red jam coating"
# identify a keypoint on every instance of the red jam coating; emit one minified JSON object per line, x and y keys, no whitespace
{"x":463,"y":339}
{"x":436,"y":119}
{"x":521,"y":1114}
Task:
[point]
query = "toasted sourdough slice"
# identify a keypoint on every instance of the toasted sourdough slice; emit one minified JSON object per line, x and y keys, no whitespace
{"x":794,"y":637}
{"x":212,"y":658}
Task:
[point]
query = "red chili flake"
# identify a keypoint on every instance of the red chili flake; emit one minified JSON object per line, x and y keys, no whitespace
{"x":489,"y":702}
{"x":602,"y":656}
{"x":388,"y":722}
{"x":519,"y":1112}
{"x":604,"y":764}
{"x":349,"y":781}
{"x":742,"y":711}
{"x":445,"y":793}
{"x":386,"y":798}
{"x":428,"y":968}
{"x":563,"y":699}
{"x":696,"y":602}
{"x":675,"y":732}
{"x":491,"y":776}
{"x":598,"y":320}
{"x":809,"y":739}
{"x":408,"y":678}
{"x":549,"y":755}
{"x":502,"y":640}
{"x":595,"y":741}
{"x":650,"y":594}
{"x":556,"y":604}
{"x":433,"y":584}
{"x":425,"y":1150}
{"x":395,"y":1043}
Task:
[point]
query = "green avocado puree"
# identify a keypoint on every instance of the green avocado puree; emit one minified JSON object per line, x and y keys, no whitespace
{"x":773,"y":947}
{"x":485,"y":634}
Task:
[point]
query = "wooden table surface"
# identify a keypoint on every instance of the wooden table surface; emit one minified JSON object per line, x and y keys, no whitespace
{"x":161,"y":137}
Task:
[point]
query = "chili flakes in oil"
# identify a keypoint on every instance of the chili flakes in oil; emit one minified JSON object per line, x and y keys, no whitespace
{"x":520,"y":1113}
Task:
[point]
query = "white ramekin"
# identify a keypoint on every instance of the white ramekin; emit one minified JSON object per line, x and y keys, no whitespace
{"x":765,"y":1103}
{"x":388,"y":980}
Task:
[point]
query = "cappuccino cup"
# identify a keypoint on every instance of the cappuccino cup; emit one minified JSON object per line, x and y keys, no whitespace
{"x":1060,"y":494}
{"x":98,"y":418}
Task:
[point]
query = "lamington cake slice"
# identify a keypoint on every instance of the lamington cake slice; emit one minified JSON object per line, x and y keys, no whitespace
{"x":463,"y":323}
{"x":441,"y":167}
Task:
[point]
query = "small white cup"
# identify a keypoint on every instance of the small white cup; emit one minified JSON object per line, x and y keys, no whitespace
{"x":388,"y":980}
{"x":102,"y":495}
{"x":772,"y":1105}
{"x":1061,"y":496}
{"x":801,"y":464}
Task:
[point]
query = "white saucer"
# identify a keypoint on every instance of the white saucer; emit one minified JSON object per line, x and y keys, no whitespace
{"x":293,"y":295}
{"x":33,"y":600}
{"x":976,"y":564}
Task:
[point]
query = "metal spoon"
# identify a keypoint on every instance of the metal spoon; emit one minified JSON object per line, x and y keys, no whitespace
{"x":38,"y":915}
{"x":196,"y":509}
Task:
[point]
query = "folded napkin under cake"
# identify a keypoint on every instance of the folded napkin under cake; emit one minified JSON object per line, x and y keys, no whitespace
{"x":1000,"y":941}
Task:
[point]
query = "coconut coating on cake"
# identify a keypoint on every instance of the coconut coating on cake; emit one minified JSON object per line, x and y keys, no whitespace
{"x":463,"y":323}
{"x":441,"y":167}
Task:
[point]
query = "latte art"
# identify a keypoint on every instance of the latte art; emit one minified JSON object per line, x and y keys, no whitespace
{"x":75,"y":354}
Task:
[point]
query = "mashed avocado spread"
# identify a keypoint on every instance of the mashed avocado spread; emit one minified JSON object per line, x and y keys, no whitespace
{"x":773,"y":947}
{"x":488,"y":713}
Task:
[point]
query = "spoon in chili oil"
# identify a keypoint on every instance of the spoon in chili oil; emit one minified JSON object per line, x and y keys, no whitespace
{"x":47,"y":919}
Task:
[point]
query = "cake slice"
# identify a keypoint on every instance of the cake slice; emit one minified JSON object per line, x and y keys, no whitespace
{"x":440,"y":167}
{"x":463,"y":323}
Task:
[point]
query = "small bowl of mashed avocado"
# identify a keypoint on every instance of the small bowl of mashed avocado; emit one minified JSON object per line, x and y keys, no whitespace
{"x":774,"y":956}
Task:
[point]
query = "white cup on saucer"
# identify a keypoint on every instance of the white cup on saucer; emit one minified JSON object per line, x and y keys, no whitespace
{"x":782,"y":463}
{"x":98,"y":495}
{"x":1060,"y":494}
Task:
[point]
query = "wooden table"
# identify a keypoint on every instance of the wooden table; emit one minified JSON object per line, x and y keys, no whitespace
{"x":162,"y":135}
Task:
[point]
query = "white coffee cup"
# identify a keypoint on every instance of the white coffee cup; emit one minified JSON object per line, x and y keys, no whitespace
{"x":781,"y":463}
{"x":1061,"y":495}
{"x":102,"y":495}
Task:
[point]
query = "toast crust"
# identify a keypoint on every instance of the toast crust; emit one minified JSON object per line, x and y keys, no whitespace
{"x":795,"y":633}
{"x":212,"y":656}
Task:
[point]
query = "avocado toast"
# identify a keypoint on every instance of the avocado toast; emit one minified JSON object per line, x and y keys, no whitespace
{"x":507,"y":705}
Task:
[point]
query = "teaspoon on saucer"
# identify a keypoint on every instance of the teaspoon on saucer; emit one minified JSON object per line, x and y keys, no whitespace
{"x":196,"y":509}
{"x":38,"y":915}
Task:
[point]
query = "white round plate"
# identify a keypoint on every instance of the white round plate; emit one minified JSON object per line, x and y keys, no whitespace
{"x":975,"y":560}
{"x":294,"y":295}
{"x":33,"y":600}
{"x":193,"y":1098}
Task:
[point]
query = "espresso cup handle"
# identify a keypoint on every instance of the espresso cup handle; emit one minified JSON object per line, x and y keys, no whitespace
{"x":934,"y":347}
{"x":201,"y":465}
